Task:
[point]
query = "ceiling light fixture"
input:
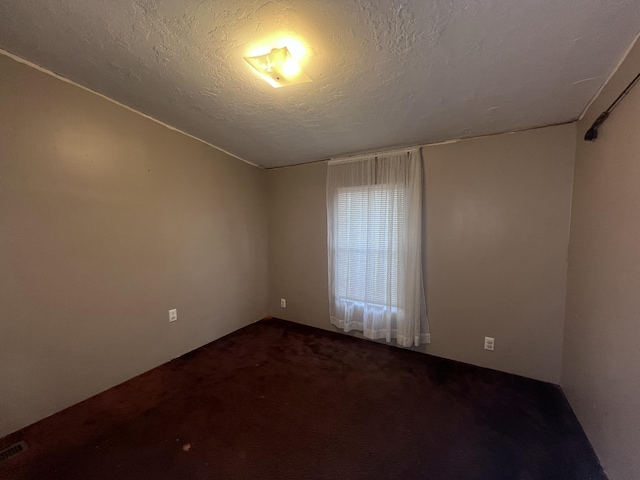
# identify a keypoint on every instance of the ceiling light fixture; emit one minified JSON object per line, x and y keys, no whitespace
{"x":278,"y":68}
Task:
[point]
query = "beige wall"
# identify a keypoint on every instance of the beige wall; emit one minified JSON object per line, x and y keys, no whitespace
{"x":497,"y":212}
{"x":107,"y":220}
{"x":298,"y":244}
{"x":601,"y":364}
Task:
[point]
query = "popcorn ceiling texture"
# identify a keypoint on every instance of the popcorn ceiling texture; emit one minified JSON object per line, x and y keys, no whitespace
{"x":386,"y":73}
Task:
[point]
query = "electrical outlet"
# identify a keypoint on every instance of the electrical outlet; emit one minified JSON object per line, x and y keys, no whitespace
{"x":173,"y":314}
{"x":283,"y":303}
{"x":488,"y":343}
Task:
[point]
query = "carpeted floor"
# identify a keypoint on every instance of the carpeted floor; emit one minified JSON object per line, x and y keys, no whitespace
{"x":277,"y":400}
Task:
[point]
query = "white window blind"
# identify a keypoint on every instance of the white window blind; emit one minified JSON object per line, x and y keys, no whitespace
{"x":371,"y":220}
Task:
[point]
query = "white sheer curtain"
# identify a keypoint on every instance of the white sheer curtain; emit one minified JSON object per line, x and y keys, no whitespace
{"x":374,"y":216}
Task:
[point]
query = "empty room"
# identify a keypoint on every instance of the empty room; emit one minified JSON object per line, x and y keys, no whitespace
{"x":356,"y":239}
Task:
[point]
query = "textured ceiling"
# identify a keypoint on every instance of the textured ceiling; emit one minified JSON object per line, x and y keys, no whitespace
{"x":386,"y":73}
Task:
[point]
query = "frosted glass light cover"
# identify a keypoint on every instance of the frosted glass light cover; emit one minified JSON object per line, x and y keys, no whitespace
{"x":278,"y":68}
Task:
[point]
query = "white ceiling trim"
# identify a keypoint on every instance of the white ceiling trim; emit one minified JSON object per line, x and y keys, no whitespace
{"x":613,"y":72}
{"x":425,"y":145}
{"x":71,"y":82}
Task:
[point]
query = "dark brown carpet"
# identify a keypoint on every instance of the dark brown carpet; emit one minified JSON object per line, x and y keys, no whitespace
{"x":277,"y":400}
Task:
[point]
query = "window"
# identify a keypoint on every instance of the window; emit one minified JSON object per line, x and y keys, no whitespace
{"x":370,"y":222}
{"x":374,"y":225}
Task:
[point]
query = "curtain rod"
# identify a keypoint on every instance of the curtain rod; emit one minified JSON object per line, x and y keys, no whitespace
{"x":350,"y":158}
{"x":592,"y":133}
